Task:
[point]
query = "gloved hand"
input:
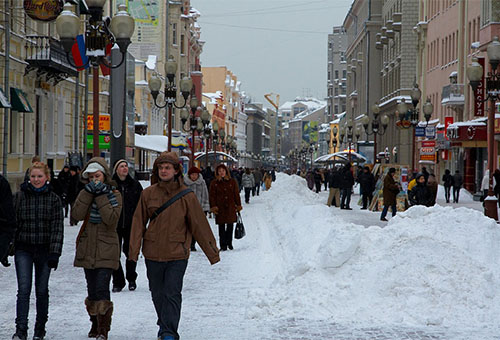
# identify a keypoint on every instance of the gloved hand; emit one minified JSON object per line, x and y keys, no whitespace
{"x":238,"y":208}
{"x":214,"y":210}
{"x":101,"y":189}
{"x":53,"y":261}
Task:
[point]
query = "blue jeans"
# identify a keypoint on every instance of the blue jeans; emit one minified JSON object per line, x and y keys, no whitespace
{"x":25,"y":261}
{"x":165,"y":284}
{"x":98,"y":283}
{"x":386,"y":209}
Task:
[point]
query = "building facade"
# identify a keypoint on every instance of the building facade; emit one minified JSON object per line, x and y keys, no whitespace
{"x":337,"y":72}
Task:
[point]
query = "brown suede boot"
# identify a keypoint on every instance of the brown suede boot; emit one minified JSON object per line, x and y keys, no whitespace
{"x":92,"y":310}
{"x":104,"y":312}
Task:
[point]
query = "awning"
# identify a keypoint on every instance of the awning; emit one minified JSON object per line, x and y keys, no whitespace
{"x":3,"y":99}
{"x":19,"y":101}
{"x":220,"y":155}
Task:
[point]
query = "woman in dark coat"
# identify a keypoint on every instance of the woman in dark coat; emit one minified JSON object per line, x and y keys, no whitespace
{"x":38,"y":243}
{"x":390,"y":192}
{"x":225,"y":202}
{"x":447,"y":183}
{"x":420,"y":194}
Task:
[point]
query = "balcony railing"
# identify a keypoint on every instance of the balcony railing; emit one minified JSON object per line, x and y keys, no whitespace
{"x":453,"y":95}
{"x":46,"y":56}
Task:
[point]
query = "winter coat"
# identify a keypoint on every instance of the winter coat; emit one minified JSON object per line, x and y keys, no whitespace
{"x":317,"y":178}
{"x":273,"y":175}
{"x":347,"y":180}
{"x":40,"y":220}
{"x":390,"y":190}
{"x":310,"y":180}
{"x":208,"y":176}
{"x":74,"y":188}
{"x":420,"y":194}
{"x":268,"y":179}
{"x":200,"y":190}
{"x":131,"y":190}
{"x":224,"y":199}
{"x":432,"y":184}
{"x":334,"y":179}
{"x":257,"y":175}
{"x":98,"y":245}
{"x":247,"y":180}
{"x":236,"y":175}
{"x":367,"y":182}
{"x":7,"y":217}
{"x":457,"y":180}
{"x":168,"y":237}
{"x":447,"y":180}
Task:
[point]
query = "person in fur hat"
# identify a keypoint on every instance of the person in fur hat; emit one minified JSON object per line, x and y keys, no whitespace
{"x":97,"y":246}
{"x":166,"y":240}
{"x":225,"y":202}
{"x":194,"y":180}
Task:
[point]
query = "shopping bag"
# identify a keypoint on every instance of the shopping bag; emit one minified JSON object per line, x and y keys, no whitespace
{"x":239,"y":231}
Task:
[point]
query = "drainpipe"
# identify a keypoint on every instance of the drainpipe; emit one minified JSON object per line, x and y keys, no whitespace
{"x":6,"y":87}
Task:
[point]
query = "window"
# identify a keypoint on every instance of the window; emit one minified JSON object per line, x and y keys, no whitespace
{"x":336,"y":91}
{"x":343,"y":107}
{"x":344,"y":74}
{"x":182,"y":43}
{"x":329,"y":75}
{"x":174,"y":34}
{"x":336,"y":74}
{"x":336,"y":109}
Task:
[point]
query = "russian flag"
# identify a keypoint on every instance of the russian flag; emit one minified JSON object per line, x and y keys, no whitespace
{"x":104,"y":69}
{"x":78,"y":52}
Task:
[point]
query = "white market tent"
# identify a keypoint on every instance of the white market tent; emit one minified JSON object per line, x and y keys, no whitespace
{"x":355,"y":157}
{"x":220,"y":154}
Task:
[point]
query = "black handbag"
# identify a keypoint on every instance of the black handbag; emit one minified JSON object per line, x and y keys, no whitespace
{"x":239,"y":231}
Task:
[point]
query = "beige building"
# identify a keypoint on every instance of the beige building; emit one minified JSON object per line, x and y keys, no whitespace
{"x":337,"y":72}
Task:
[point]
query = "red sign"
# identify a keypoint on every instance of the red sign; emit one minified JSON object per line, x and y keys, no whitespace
{"x":479,"y":93}
{"x":429,"y":144}
{"x":43,"y":10}
{"x":447,"y":122}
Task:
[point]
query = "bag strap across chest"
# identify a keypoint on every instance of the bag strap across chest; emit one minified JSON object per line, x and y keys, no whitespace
{"x":169,"y":203}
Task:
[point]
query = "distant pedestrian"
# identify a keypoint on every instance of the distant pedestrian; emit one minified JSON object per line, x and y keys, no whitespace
{"x":325,"y":174}
{"x":390,"y":191}
{"x":267,"y":179}
{"x":366,"y":181}
{"x":346,"y":184}
{"x":97,"y":244}
{"x":131,"y":190}
{"x":248,"y":183}
{"x":432,"y":184}
{"x":420,"y":194}
{"x":457,"y":185}
{"x":273,"y":174}
{"x":38,"y":244}
{"x":426,"y":174}
{"x":310,"y":179}
{"x":447,"y":183}
{"x":334,"y":184}
{"x":64,"y":179}
{"x":194,"y":181}
{"x":317,"y":180}
{"x":257,"y":175}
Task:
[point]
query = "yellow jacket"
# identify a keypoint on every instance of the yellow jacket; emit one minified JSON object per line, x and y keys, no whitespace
{"x":412,"y":183}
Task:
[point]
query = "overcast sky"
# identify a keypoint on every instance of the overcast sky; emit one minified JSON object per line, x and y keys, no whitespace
{"x":277,"y":46}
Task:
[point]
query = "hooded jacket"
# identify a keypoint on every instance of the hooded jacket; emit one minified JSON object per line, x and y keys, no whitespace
{"x":200,"y":189}
{"x":98,"y":245}
{"x":420,"y":194}
{"x":168,"y":236}
{"x":224,"y":197}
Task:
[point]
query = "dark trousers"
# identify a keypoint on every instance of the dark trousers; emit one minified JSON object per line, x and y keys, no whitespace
{"x":447,"y":194}
{"x":98,"y":283}
{"x":346,"y":198}
{"x":256,"y":189}
{"x":386,"y":209}
{"x":318,"y":186}
{"x":456,"y":194}
{"x":165,"y":284}
{"x":130,"y":266}
{"x":367,"y":199}
{"x":247,"y":195}
{"x":225,"y":235}
{"x":25,"y":261}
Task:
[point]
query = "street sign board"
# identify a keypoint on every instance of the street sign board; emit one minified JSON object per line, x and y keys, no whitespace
{"x":103,"y":142}
{"x":419,"y":131}
{"x":430,"y":132}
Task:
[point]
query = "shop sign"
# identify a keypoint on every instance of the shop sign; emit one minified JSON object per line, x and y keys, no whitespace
{"x":104,"y":122}
{"x":430,"y":132}
{"x":429,"y":144}
{"x":428,"y":151}
{"x":104,"y":141}
{"x":419,"y":131}
{"x":479,"y":93}
{"x":497,"y":126}
{"x":43,"y":10}
{"x":447,"y":122}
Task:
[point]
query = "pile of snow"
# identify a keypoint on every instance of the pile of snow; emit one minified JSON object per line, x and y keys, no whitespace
{"x":428,"y":266}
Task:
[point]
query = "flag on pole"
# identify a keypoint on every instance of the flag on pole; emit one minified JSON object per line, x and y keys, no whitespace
{"x":104,"y":69}
{"x":78,"y":52}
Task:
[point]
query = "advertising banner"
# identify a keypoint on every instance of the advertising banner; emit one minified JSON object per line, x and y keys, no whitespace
{"x":447,"y":122}
{"x":310,"y":132}
{"x":104,"y":122}
{"x":479,"y":93}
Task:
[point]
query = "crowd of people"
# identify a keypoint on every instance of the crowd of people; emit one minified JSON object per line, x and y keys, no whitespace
{"x":114,"y":211}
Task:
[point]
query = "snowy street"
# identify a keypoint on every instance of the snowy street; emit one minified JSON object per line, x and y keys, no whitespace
{"x":307,"y":271}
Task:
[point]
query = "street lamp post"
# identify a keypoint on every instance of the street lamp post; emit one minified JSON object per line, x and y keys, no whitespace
{"x":410,"y":117}
{"x":170,"y":91}
{"x":99,"y":34}
{"x":375,"y":126}
{"x":195,"y":124}
{"x":475,"y":75}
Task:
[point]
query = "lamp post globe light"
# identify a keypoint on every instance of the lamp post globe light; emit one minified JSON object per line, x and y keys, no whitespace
{"x":195,"y":124}
{"x":475,"y":75}
{"x":372,"y":126}
{"x":410,"y":117}
{"x":170,"y":93}
{"x":99,"y":34}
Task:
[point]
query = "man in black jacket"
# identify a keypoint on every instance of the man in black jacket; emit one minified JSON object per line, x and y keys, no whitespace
{"x":7,"y":220}
{"x":346,"y":185}
{"x":131,"y":190}
{"x":367,"y":182}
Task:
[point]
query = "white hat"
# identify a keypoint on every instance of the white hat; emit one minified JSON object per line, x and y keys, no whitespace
{"x":91,"y":168}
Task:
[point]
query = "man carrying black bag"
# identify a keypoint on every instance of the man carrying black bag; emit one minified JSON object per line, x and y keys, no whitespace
{"x":7,"y":220}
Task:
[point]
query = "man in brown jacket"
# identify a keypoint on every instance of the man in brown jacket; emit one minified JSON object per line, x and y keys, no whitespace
{"x":166,"y":242}
{"x":390,"y":191}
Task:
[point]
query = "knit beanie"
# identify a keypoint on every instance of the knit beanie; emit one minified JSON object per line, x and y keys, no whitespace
{"x":194,"y":170}
{"x":117,"y":164}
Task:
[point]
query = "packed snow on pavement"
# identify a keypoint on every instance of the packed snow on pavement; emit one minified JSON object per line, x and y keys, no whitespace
{"x":428,"y":268}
